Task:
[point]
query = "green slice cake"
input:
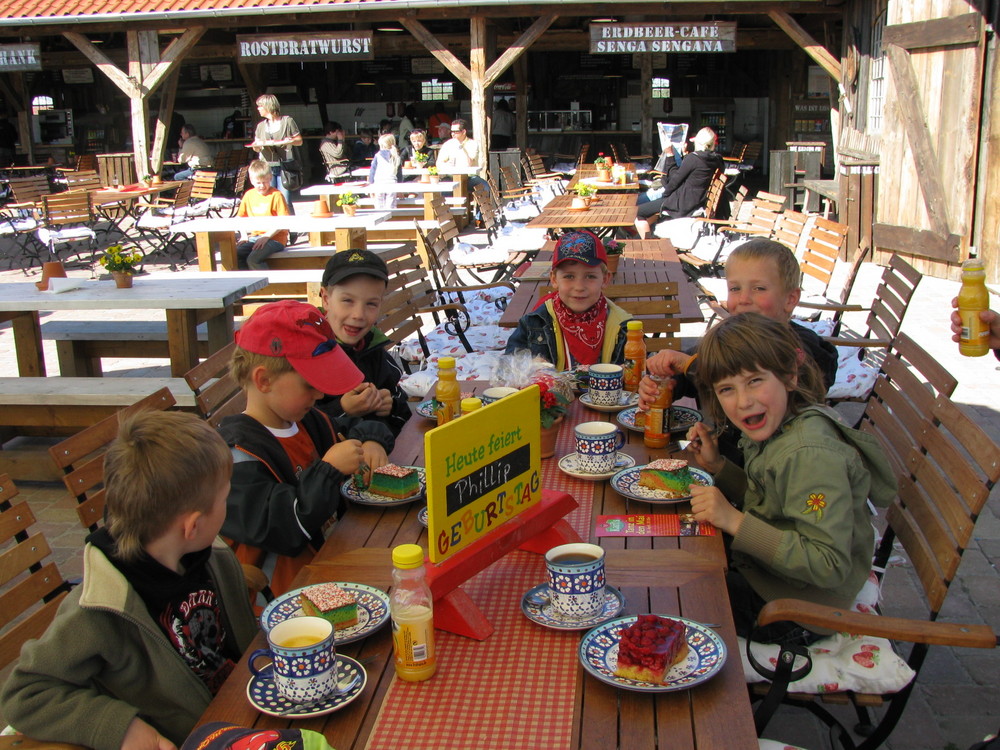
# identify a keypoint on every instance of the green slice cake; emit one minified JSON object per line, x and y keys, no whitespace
{"x":329,"y":601}
{"x":397,"y":482}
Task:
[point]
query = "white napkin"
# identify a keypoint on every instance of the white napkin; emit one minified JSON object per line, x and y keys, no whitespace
{"x":58,"y":285}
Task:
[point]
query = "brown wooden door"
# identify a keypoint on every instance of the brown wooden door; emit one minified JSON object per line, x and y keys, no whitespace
{"x":931,"y":128}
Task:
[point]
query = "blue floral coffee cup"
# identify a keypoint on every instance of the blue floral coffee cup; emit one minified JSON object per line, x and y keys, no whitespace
{"x":576,"y":580}
{"x":496,"y":393}
{"x":606,"y":383}
{"x":597,"y":445}
{"x":304,"y":658}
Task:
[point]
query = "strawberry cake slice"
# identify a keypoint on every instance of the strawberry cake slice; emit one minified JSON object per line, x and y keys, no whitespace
{"x":649,"y":647}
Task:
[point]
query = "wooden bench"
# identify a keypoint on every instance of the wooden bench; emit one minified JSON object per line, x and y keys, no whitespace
{"x":313,"y":257}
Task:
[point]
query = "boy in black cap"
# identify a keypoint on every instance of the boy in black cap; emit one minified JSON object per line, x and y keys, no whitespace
{"x":575,"y":324}
{"x":354,"y":283}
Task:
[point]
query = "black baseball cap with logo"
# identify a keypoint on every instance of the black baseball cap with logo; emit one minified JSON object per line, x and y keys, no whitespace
{"x":349,"y":263}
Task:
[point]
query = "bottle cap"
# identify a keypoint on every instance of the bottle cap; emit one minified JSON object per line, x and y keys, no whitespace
{"x":973,"y":264}
{"x":408,"y":556}
{"x":471,"y":404}
{"x":634,"y":325}
{"x":446,"y":363}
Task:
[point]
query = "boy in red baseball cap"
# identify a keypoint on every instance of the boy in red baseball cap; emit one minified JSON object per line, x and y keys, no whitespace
{"x":289,"y":460}
{"x":575,"y":324}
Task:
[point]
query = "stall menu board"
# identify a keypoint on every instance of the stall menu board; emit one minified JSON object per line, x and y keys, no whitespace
{"x":329,"y":45}
{"x":618,"y":38}
{"x":482,"y":470}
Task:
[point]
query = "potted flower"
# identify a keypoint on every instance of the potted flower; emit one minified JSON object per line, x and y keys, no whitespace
{"x":147,"y":180}
{"x":348,"y":202}
{"x":432,"y":174}
{"x":122,"y":265}
{"x":584,"y":195}
{"x":603,"y":165}
{"x":614,"y":249}
{"x":555,"y":397}
{"x":420,"y":158}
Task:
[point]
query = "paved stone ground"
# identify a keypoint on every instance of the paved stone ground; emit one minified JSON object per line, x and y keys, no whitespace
{"x":957,"y":700}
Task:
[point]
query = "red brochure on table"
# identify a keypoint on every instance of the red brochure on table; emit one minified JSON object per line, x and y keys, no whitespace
{"x":653,"y":524}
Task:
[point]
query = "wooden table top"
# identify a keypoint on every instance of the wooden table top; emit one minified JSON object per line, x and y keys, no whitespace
{"x":107,"y":196}
{"x":363,"y":219}
{"x":609,"y":211}
{"x":671,"y":575}
{"x":380,"y":187}
{"x":643,"y":261}
{"x":587,"y":174}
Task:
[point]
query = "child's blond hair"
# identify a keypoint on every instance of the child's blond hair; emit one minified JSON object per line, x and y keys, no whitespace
{"x":243,"y":363}
{"x":259,"y":169}
{"x":749,"y":342}
{"x":161,"y":464}
{"x":789,"y":272}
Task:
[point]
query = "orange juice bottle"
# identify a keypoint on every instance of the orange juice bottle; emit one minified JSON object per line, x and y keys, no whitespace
{"x":656,"y":433}
{"x":635,"y":355}
{"x":470,"y":405}
{"x":973,"y":298}
{"x":411,"y":607}
{"x":447,"y":393}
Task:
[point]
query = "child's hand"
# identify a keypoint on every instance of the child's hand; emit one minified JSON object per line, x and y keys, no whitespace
{"x":384,"y":408}
{"x":141,"y":736}
{"x":374,"y":456}
{"x":648,"y":390}
{"x":667,"y":362}
{"x":709,"y":504}
{"x":360,"y":401}
{"x":345,"y":456}
{"x":705,"y":447}
{"x":260,"y":242}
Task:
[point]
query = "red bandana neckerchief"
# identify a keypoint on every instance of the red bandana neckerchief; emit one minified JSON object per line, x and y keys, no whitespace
{"x":582,"y":332}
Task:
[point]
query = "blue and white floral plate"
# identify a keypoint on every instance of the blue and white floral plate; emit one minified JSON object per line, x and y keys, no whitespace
{"x":536,"y":607}
{"x":264,"y":696}
{"x":422,"y":516}
{"x":373,"y":611}
{"x":626,"y":482}
{"x":681,"y":418}
{"x":570,"y":464}
{"x":625,"y":400}
{"x":706,"y":654}
{"x":426,"y":409}
{"x":364,"y":497}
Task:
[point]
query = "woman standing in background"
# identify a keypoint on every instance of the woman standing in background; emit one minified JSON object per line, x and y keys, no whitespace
{"x":275,"y":140}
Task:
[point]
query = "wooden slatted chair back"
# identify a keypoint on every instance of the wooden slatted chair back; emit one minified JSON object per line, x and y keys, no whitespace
{"x":31,"y":586}
{"x":513,"y":187}
{"x":86,"y":162}
{"x":823,"y":247}
{"x":73,"y":207}
{"x":489,"y":210}
{"x":203,"y":185}
{"x":790,"y":227}
{"x":714,"y":196}
{"x":81,"y":457}
{"x":892,"y":299}
{"x":408,"y":289}
{"x":84,"y":179}
{"x":445,"y":219}
{"x":28,"y":191}
{"x":216,"y":394}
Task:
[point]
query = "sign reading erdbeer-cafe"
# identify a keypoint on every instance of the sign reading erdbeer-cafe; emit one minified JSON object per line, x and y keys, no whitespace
{"x":330,"y":45}
{"x":621,"y":38}
{"x":482,"y":470}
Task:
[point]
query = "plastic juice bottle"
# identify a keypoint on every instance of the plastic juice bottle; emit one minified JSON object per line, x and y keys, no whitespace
{"x":656,"y":433}
{"x":972,"y":299}
{"x":469,"y":405}
{"x":447,"y":393}
{"x":411,"y":607}
{"x":635,"y":355}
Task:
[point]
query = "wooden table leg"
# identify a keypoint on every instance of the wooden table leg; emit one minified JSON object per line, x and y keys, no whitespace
{"x":182,"y":340}
{"x":226,"y":242}
{"x":429,"y":214}
{"x":355,"y":238}
{"x":27,"y":343}
{"x":206,"y":258}
{"x":220,"y":329}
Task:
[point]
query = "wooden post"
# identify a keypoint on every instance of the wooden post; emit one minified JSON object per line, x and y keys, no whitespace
{"x":521,"y":101}
{"x":477,"y":69}
{"x":646,"y":104}
{"x":167,"y":99}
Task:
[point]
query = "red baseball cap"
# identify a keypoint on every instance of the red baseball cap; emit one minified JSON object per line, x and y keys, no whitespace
{"x":298,"y":332}
{"x":582,"y":247}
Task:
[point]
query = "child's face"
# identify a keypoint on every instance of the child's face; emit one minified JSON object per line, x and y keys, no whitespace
{"x":754,"y":286}
{"x":352,"y":306}
{"x":579,"y":286}
{"x":261,"y":183}
{"x":286,"y":398}
{"x":756,"y":402}
{"x":419,"y":140}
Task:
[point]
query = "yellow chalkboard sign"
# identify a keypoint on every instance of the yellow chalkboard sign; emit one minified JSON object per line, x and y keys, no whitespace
{"x":482,"y":469}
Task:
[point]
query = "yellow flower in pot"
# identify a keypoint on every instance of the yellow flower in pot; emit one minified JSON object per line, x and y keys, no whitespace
{"x":348,"y":202}
{"x":121,"y":265}
{"x":584,"y":195}
{"x":432,"y":172}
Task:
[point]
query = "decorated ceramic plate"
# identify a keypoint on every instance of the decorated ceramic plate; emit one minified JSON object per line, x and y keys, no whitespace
{"x":364,"y":497}
{"x":422,"y":516}
{"x":706,"y":655}
{"x":625,"y":400}
{"x":570,"y":464}
{"x":681,"y":418}
{"x":373,"y":611}
{"x":264,"y":695}
{"x":426,"y":409}
{"x":536,"y":607}
{"x":626,"y":482}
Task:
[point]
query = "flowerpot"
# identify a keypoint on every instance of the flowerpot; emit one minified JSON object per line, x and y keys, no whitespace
{"x":588,"y":200}
{"x":322,"y":209}
{"x":350,"y":209}
{"x":425,"y":178}
{"x":613,"y":263}
{"x":604,"y":175}
{"x":50,"y":270}
{"x":122,"y":280}
{"x":578,"y":203}
{"x":548,"y":438}
{"x":407,"y":165}
{"x":147,"y":183}
{"x":434,"y":178}
{"x":157,"y":180}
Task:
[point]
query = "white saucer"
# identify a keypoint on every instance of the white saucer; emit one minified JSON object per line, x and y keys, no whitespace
{"x":625,"y":400}
{"x":536,"y":608}
{"x":570,"y":464}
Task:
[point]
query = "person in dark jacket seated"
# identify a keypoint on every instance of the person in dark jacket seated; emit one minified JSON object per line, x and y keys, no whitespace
{"x":684,"y":186}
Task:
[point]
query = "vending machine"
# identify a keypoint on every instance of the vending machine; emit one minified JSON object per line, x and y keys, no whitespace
{"x":53,"y":127}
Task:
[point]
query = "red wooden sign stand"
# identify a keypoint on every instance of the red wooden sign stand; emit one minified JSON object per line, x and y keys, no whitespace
{"x":537,"y":529}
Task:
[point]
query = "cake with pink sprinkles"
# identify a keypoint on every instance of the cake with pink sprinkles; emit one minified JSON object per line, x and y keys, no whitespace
{"x":329,"y":601}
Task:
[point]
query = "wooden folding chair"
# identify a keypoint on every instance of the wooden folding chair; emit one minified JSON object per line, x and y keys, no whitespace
{"x":157,"y":222}
{"x":216,"y":394}
{"x":83,"y":179}
{"x":949,"y":466}
{"x":68,"y":218}
{"x":31,"y":586}
{"x":656,"y":305}
{"x":761,"y":222}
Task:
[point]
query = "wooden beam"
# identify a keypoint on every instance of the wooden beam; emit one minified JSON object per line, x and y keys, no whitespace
{"x":918,"y":242}
{"x":804,"y":39}
{"x":477,"y":69}
{"x":910,"y":111}
{"x":251,"y":75}
{"x":514,"y":51}
{"x":129,"y":86}
{"x":444,"y":56}
{"x":521,"y":100}
{"x":176,"y":51}
{"x":937,"y":32}
{"x":167,"y":98}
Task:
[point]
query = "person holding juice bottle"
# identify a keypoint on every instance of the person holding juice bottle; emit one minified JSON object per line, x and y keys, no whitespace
{"x":974,"y":326}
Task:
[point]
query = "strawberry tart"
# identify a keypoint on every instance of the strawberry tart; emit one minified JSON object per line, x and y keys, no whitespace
{"x":649,"y":647}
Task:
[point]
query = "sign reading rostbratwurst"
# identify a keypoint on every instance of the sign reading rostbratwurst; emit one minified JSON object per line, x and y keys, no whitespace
{"x":618,"y":38}
{"x":332,"y":45}
{"x":20,"y":57}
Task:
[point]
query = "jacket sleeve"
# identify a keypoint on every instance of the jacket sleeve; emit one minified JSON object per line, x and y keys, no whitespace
{"x":811,"y":540}
{"x":518,"y":339}
{"x":358,"y":428}
{"x":275,"y":516}
{"x":53,"y":693}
